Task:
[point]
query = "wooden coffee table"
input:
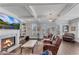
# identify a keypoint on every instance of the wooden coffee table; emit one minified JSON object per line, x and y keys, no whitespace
{"x":30,"y":44}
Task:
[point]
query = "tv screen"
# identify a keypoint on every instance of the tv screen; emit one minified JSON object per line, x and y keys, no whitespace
{"x":8,"y":22}
{"x":13,"y":20}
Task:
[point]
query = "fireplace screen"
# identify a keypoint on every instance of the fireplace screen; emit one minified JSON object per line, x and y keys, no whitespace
{"x":7,"y":43}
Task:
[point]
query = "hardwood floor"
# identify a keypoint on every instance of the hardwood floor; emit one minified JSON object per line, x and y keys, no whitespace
{"x":25,"y":51}
{"x":66,"y":48}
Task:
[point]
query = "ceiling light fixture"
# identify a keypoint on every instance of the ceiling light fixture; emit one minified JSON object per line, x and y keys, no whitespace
{"x":50,"y":20}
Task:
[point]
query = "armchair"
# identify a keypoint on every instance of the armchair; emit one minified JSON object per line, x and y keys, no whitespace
{"x":47,"y":41}
{"x":53,"y":47}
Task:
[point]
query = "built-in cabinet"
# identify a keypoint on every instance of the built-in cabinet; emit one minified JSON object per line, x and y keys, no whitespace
{"x":22,"y":31}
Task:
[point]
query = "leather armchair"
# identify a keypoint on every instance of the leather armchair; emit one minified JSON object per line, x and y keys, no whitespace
{"x":47,"y":42}
{"x":53,"y":47}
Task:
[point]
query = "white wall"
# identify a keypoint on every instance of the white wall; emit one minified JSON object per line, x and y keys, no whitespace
{"x":61,"y":23}
{"x":7,"y":31}
{"x":74,"y":22}
{"x":73,"y":25}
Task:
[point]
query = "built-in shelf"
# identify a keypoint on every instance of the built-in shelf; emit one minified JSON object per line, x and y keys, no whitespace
{"x":22,"y":31}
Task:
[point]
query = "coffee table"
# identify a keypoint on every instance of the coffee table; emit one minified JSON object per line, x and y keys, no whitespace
{"x":30,"y":44}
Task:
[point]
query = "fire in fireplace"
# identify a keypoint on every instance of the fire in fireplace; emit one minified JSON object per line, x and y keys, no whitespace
{"x":7,"y":43}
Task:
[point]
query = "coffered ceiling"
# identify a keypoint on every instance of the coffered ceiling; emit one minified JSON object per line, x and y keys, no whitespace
{"x":43,"y":11}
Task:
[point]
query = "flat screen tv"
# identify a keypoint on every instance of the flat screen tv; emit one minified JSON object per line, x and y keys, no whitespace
{"x":9,"y":22}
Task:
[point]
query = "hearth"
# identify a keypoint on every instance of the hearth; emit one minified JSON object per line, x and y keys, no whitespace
{"x":6,"y":43}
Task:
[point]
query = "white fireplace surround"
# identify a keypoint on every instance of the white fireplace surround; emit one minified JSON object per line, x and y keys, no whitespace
{"x":10,"y":33}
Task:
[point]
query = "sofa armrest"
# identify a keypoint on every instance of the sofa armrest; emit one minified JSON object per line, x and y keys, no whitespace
{"x":47,"y":41}
{"x":48,"y":47}
{"x":51,"y":48}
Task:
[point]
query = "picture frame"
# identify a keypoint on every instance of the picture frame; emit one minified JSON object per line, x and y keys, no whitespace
{"x":73,"y":28}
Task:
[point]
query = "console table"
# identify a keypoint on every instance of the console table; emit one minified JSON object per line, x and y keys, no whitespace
{"x":30,"y":44}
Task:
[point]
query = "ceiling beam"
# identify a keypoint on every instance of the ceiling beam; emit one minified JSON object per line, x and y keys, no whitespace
{"x":32,"y":11}
{"x":74,"y":20}
{"x":66,"y":9}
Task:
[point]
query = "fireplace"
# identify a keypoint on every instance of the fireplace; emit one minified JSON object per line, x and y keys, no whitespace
{"x":6,"y":43}
{"x":9,"y":40}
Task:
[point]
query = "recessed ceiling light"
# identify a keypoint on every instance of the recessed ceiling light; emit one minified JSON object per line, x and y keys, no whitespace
{"x":50,"y":20}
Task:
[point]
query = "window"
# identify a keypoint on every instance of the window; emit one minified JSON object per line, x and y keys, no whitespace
{"x":34,"y":27}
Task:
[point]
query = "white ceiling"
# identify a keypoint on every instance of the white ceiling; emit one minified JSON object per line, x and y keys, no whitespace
{"x":42,"y":11}
{"x":46,"y":9}
{"x":73,"y":13}
{"x":20,"y":11}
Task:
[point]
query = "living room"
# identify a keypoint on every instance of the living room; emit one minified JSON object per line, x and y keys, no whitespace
{"x":39,"y":29}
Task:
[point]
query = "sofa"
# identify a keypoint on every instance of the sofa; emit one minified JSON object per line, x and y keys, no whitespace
{"x":69,"y":37}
